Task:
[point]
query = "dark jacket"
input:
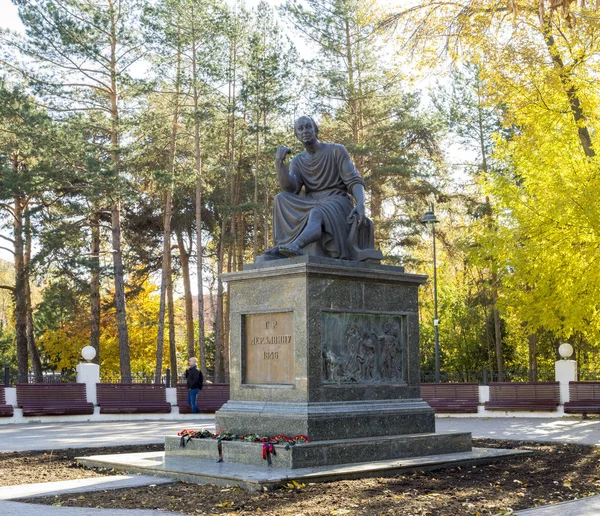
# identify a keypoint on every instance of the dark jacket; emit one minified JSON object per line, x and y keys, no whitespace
{"x":193,"y":377}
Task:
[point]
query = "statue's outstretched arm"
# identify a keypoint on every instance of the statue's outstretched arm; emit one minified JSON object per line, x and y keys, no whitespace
{"x":287,"y":182}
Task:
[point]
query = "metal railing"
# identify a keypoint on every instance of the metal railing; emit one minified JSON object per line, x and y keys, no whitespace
{"x":135,"y":377}
{"x":484,"y":376}
{"x":585,"y":375}
{"x":11,"y":377}
{"x":208,"y":378}
{"x":47,"y":377}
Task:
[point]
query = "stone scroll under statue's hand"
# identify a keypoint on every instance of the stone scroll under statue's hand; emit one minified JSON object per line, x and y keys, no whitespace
{"x":358,"y":212}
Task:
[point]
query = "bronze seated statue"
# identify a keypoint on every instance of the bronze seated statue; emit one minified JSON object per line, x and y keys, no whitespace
{"x":315,"y":214}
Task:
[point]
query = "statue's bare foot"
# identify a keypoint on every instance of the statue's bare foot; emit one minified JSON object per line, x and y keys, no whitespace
{"x":290,"y":250}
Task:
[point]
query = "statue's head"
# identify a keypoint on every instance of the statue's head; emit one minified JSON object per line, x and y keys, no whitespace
{"x":306,"y":130}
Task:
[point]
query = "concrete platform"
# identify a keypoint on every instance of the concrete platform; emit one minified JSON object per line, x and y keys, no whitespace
{"x":257,"y":478}
{"x":589,"y":506}
{"x":81,"y":485}
{"x":27,"y":509}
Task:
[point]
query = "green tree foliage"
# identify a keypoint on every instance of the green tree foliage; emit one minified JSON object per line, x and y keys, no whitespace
{"x":137,"y":141}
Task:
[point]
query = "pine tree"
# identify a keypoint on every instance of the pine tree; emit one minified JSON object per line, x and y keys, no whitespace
{"x":78,"y":56}
{"x":267,"y":95}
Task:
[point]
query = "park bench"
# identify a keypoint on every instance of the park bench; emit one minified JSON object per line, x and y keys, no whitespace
{"x":451,"y":397}
{"x":5,"y":410}
{"x":53,"y":399}
{"x":584,"y":398}
{"x":530,"y":396}
{"x":211,"y":397}
{"x":134,"y":398}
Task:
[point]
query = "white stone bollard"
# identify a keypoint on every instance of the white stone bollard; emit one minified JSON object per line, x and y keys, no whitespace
{"x":89,"y":374}
{"x":565,"y":371}
{"x":172,"y":395}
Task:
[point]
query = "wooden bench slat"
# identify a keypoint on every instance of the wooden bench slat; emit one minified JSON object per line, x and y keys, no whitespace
{"x":137,"y":398}
{"x":38,"y":399}
{"x":584,"y":398}
{"x":451,"y":397}
{"x":530,"y":396}
{"x":211,"y":397}
{"x":5,"y":409}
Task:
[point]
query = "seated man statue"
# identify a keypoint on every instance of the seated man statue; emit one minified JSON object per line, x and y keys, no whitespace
{"x":325,"y":214}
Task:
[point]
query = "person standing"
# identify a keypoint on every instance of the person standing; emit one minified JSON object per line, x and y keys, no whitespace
{"x":194,"y":380}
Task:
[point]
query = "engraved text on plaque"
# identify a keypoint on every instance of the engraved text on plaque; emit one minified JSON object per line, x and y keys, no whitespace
{"x":269,"y":348}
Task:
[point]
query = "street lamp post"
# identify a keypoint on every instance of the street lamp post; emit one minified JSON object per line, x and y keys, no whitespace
{"x":430,"y":219}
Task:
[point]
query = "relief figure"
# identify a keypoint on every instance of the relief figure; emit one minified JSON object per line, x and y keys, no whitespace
{"x":390,"y":367}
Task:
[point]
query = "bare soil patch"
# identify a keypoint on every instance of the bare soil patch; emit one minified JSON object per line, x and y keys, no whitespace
{"x":33,"y":467}
{"x":553,"y":473}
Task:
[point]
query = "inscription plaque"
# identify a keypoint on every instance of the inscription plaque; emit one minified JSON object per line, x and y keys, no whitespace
{"x":269,"y":348}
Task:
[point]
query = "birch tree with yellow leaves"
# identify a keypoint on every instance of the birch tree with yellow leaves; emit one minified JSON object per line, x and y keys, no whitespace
{"x":539,"y":60}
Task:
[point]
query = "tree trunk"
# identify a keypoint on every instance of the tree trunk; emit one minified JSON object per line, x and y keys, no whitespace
{"x":199,"y":246}
{"x":36,"y":363}
{"x":575,"y":105}
{"x":172,"y":343}
{"x":351,"y":85}
{"x":200,"y":275}
{"x":376,"y":206}
{"x":167,"y":273}
{"x":187,"y":291}
{"x":495,"y":295}
{"x":498,"y":342}
{"x":219,"y":315}
{"x":123,"y":334}
{"x":20,"y":294}
{"x":164,"y":281}
{"x":533,"y":372}
{"x":266,"y":212}
{"x":95,"y":286}
{"x":255,"y":198}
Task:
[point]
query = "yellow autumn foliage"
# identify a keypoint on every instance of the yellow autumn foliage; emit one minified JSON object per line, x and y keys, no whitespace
{"x":538,"y":61}
{"x":63,"y":346}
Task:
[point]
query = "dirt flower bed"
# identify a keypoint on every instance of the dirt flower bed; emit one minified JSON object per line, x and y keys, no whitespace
{"x":51,"y":466}
{"x":553,"y":473}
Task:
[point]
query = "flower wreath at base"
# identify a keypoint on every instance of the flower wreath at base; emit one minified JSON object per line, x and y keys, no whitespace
{"x":268,"y":442}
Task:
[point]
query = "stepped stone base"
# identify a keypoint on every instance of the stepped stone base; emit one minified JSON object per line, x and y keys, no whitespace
{"x":324,"y":453}
{"x":330,"y":420}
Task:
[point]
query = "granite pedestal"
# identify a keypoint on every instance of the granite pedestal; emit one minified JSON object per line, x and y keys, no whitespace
{"x":329,"y":349}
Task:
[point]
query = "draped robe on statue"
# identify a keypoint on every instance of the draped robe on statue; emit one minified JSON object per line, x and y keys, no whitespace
{"x":327,"y":177}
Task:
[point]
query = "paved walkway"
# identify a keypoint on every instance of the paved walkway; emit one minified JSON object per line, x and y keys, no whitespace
{"x":585,"y":507}
{"x":55,"y":436}
{"x":567,"y":430}
{"x":27,"y":509}
{"x":80,"y":485}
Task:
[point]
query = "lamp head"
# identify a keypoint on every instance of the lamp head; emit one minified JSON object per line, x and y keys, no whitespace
{"x":429,"y":217}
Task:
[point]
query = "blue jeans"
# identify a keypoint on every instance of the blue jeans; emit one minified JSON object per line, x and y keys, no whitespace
{"x":192,"y":393}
